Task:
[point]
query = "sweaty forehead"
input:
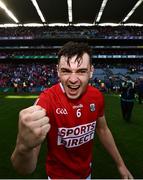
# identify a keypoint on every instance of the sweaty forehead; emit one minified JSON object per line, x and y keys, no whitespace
{"x":83,"y":62}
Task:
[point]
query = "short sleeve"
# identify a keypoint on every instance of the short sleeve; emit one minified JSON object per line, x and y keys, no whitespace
{"x":101,"y":106}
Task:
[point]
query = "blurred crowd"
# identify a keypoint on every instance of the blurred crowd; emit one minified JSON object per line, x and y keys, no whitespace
{"x":46,"y":53}
{"x":126,"y":32}
{"x":27,"y":77}
{"x":35,"y":77}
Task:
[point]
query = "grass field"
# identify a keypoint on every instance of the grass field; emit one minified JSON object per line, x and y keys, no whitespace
{"x":128,"y":137}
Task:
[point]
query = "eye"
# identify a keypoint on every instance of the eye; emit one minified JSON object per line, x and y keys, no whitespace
{"x":82,"y":71}
{"x":65,"y":71}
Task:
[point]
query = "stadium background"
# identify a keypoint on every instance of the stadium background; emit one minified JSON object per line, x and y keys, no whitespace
{"x":27,"y":66}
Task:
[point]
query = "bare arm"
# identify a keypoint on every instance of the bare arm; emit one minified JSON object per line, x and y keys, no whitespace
{"x":33,"y":128}
{"x":108,"y":142}
{"x":24,"y":161}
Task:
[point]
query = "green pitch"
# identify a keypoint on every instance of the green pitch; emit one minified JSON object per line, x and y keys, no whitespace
{"x":128,"y":137}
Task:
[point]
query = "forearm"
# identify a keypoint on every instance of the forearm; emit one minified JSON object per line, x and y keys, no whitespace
{"x":24,"y":161}
{"x":108,"y":142}
{"x":33,"y":128}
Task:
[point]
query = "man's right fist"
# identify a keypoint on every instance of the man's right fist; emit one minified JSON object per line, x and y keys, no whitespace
{"x":33,"y":127}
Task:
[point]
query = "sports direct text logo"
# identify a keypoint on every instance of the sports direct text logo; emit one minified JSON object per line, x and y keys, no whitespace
{"x":76,"y":136}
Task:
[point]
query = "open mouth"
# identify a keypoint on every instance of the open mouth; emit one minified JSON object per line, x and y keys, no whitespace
{"x":74,"y":87}
{"x":73,"y":91}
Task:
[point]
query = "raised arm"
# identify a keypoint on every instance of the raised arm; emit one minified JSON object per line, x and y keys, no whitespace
{"x":108,"y":142}
{"x":33,"y":128}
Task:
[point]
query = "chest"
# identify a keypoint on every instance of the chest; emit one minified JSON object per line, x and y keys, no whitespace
{"x":69,"y":114}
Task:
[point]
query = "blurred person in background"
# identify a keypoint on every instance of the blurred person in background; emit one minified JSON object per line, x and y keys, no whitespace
{"x":140,"y":90}
{"x":66,"y":116}
{"x":127,"y":99}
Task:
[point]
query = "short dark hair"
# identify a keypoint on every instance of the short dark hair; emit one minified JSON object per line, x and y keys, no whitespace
{"x":71,"y":49}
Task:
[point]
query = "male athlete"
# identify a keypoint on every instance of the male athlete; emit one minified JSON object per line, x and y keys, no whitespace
{"x":67,"y":116}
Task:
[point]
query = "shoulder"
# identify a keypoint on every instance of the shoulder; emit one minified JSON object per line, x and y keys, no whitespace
{"x":93,"y":94}
{"x":51,"y":90}
{"x":48,"y":96}
{"x":93,"y":91}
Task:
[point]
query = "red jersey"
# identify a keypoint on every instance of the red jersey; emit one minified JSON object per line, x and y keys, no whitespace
{"x":70,"y":139}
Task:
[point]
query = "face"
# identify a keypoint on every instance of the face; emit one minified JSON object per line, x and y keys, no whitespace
{"x":75,"y":77}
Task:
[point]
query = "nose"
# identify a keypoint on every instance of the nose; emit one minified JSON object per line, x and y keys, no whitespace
{"x":73,"y":78}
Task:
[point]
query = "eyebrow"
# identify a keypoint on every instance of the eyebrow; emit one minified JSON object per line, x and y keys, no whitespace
{"x":80,"y":69}
{"x":65,"y":69}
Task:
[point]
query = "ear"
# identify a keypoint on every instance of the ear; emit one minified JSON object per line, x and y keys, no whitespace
{"x":91,"y":71}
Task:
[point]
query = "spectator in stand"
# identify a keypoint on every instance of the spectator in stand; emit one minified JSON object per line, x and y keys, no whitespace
{"x":27,"y":77}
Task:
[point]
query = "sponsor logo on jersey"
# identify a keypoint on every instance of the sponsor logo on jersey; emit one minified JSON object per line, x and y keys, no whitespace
{"x":76,"y":136}
{"x":78,"y":106}
{"x":92,"y":107}
{"x":61,"y":111}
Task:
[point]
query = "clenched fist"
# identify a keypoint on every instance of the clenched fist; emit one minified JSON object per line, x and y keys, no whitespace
{"x":33,"y":127}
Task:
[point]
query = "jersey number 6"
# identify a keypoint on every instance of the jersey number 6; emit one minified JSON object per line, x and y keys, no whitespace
{"x":78,"y":113}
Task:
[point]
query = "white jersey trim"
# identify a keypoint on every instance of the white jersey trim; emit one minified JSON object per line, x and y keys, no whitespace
{"x":62,"y":88}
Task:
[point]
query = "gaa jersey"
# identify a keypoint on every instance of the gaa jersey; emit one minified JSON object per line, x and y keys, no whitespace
{"x":73,"y":123}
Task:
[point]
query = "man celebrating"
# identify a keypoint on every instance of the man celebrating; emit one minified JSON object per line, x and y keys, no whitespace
{"x":67,"y":116}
